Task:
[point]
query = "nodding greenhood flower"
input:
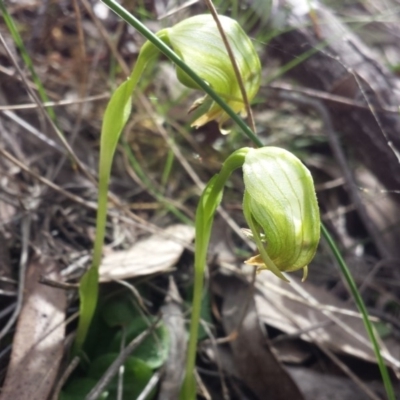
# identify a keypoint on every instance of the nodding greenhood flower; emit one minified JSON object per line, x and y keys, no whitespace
{"x":198,"y":42}
{"x":281,"y":209}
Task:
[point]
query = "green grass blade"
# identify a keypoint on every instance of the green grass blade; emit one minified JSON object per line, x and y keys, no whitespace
{"x":167,"y":168}
{"x":88,"y":295}
{"x":364,"y":313}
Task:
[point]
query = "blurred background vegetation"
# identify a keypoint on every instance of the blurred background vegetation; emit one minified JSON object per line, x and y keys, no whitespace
{"x":330,"y":94}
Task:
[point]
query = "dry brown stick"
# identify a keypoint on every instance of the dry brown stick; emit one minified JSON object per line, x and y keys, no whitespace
{"x":113,"y":368}
{"x":106,"y":37}
{"x":151,"y":384}
{"x":82,"y":82}
{"x":45,"y":181}
{"x":346,"y":370}
{"x":221,"y":372}
{"x":25,"y":228}
{"x":243,"y":311}
{"x":128,"y":217}
{"x":239,"y":77}
{"x":70,"y":369}
{"x":55,"y":103}
{"x":45,"y":113}
{"x":326,"y":96}
{"x":82,"y":50}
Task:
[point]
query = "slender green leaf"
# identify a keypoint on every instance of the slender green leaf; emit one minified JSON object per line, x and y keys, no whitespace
{"x":88,"y":294}
{"x":115,"y":118}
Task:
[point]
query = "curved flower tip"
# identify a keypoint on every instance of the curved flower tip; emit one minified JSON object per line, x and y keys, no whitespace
{"x":198,"y":42}
{"x":215,"y":113}
{"x":281,"y":209}
{"x":258,"y":262}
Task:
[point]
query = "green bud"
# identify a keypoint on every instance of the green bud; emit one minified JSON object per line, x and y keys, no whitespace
{"x":198,"y":42}
{"x":281,"y":209}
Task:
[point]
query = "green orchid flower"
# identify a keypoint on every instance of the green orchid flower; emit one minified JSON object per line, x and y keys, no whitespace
{"x":281,"y":209}
{"x":198,"y":42}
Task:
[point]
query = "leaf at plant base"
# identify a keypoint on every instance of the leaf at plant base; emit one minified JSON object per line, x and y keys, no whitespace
{"x":88,"y":295}
{"x":136,"y":375}
{"x":135,"y":327}
{"x":98,"y":338}
{"x":157,"y":253}
{"x":120,"y":311}
{"x":78,"y":388}
{"x":153,"y":350}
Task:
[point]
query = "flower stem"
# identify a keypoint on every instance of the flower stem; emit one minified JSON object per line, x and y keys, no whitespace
{"x":209,"y":201}
{"x":363,"y":311}
{"x":115,"y":118}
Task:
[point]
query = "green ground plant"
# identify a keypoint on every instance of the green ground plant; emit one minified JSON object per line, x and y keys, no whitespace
{"x":298,"y":219}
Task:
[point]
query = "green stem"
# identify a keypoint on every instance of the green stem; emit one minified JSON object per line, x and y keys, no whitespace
{"x":107,"y":151}
{"x":364,"y":313}
{"x":208,"y":203}
{"x":115,"y":118}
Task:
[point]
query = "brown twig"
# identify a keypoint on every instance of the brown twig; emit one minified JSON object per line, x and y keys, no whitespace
{"x":25,"y":228}
{"x":326,"y":96}
{"x":34,"y":96}
{"x":239,"y":78}
{"x":103,"y":32}
{"x":70,"y":369}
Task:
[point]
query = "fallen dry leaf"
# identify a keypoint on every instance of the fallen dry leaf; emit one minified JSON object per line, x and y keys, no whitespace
{"x":318,"y":317}
{"x":255,"y":363}
{"x":37,"y":347}
{"x":317,"y":386}
{"x":174,"y":367}
{"x":157,"y":253}
{"x":382,"y":209}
